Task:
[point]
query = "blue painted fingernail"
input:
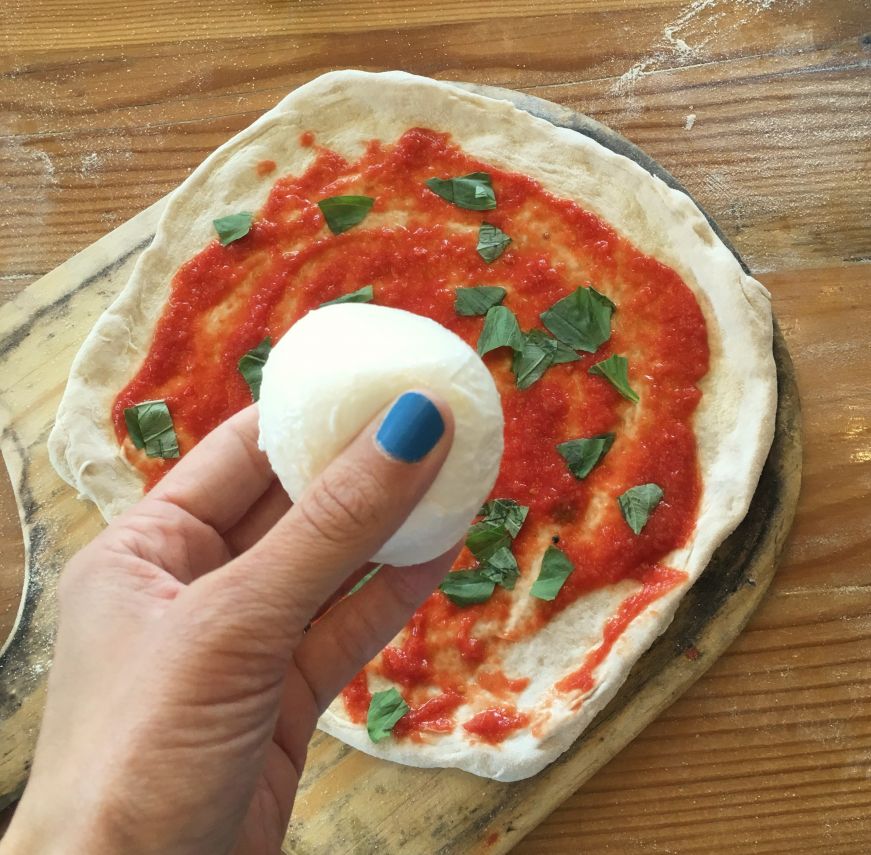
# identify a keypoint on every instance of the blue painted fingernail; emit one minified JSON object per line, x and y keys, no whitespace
{"x":411,"y":429}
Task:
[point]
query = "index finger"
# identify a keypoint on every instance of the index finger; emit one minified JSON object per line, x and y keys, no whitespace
{"x":224,"y":474}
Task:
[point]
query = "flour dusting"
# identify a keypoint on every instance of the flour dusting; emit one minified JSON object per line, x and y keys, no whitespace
{"x":89,"y":164}
{"x":691,"y":120}
{"x":697,"y":25}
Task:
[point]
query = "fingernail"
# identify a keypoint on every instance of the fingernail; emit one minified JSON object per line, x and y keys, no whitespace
{"x":411,"y":429}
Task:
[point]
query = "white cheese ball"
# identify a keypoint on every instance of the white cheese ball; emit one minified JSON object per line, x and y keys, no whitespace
{"x":338,"y":367}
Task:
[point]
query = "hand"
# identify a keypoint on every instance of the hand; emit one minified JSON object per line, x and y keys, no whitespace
{"x":185,"y":687}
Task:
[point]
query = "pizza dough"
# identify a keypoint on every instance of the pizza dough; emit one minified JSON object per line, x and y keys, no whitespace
{"x":315,"y":399}
{"x":733,"y":424}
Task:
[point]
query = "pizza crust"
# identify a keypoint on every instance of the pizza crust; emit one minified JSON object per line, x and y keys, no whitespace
{"x":734,"y":422}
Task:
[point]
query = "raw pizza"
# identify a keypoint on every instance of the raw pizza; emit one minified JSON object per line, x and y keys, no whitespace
{"x":632,"y":353}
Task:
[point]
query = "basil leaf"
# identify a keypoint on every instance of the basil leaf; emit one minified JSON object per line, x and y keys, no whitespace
{"x":505,"y":512}
{"x":615,"y":369}
{"x":539,"y":352}
{"x":555,"y":569}
{"x":251,"y":366}
{"x":581,"y":455}
{"x":473,"y":191}
{"x":485,"y":538}
{"x":233,"y":226}
{"x":638,"y":503}
{"x":492,"y":242}
{"x":564,"y":354}
{"x":582,"y":320}
{"x":385,"y":709}
{"x":366,"y":294}
{"x":467,"y":587}
{"x":500,"y":330}
{"x":477,"y":300}
{"x":501,"y":568}
{"x":344,"y":212}
{"x":365,"y":579}
{"x":150,"y":427}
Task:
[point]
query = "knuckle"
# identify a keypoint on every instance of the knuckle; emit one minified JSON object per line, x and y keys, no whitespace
{"x":344,"y":501}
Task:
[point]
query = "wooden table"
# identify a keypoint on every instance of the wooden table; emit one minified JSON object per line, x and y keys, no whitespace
{"x":760,"y":107}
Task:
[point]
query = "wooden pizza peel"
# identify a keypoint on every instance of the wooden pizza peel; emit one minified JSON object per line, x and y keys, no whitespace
{"x":350,"y":802}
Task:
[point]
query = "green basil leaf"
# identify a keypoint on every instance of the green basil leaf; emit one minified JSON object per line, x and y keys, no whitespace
{"x":501,"y":568}
{"x":505,"y":512}
{"x":473,"y":191}
{"x":538,"y":353}
{"x":485,"y":538}
{"x":251,"y":366}
{"x":233,"y":226}
{"x":492,"y":242}
{"x":385,"y":709}
{"x":366,"y":294}
{"x":344,"y":212}
{"x":582,"y":320}
{"x":615,"y":369}
{"x":638,"y":503}
{"x":477,"y":300}
{"x":500,"y":330}
{"x":467,"y":587}
{"x":581,"y":455}
{"x":564,"y":354}
{"x":150,"y":427}
{"x":555,"y":569}
{"x":365,"y":579}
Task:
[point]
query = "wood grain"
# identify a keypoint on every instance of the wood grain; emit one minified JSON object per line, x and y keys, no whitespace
{"x":774,"y":743}
{"x":101,"y":113}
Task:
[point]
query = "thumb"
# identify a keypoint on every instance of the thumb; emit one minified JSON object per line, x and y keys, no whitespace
{"x":342,"y":519}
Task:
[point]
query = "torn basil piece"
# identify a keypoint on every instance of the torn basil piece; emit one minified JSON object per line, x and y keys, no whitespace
{"x":485,"y":538}
{"x":500,"y":330}
{"x":638,"y":503}
{"x":251,"y":366}
{"x":385,"y":709}
{"x":504,"y":512}
{"x":615,"y":369}
{"x":344,"y":212}
{"x":365,"y":579}
{"x":151,"y":430}
{"x":582,"y":455}
{"x":233,"y":226}
{"x":477,"y":300}
{"x":474,"y":191}
{"x":538,"y":353}
{"x":492,"y":242}
{"x":366,"y":294}
{"x":556,"y":567}
{"x":582,"y":320}
{"x":467,"y":587}
{"x":501,"y":568}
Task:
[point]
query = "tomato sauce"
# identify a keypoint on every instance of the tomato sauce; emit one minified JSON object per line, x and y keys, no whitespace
{"x":416,"y":249}
{"x":493,"y":725}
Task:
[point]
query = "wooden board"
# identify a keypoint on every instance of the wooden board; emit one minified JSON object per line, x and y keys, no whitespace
{"x":417,"y":810}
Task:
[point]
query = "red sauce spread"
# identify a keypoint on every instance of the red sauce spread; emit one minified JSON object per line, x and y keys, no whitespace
{"x":655,"y":582}
{"x":493,"y":725}
{"x":415,"y":249}
{"x":432,"y":716}
{"x":266,"y":167}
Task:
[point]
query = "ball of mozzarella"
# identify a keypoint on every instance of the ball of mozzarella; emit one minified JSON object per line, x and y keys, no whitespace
{"x":338,"y":367}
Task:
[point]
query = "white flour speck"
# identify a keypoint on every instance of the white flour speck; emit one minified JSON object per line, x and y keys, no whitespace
{"x":90,"y":164}
{"x":697,"y":25}
{"x":691,"y":120}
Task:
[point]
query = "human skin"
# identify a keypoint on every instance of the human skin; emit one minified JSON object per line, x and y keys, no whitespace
{"x":187,"y":679}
